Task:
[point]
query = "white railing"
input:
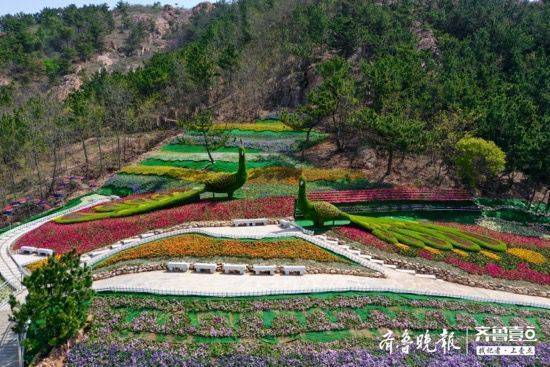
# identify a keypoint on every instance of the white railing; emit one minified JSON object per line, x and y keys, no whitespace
{"x":269,"y":292}
{"x":334,"y":248}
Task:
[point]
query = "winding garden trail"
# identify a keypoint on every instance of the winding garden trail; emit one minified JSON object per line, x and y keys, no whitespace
{"x":160,"y":282}
{"x":13,"y":273}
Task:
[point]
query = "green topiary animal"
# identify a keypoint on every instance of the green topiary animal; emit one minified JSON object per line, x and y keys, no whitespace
{"x":229,"y":182}
{"x":411,"y":233}
{"x":223,"y":183}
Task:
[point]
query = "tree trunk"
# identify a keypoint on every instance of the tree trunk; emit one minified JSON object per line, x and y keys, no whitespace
{"x":54,"y":172}
{"x":390,"y":161}
{"x":101,"y":166}
{"x":38,"y":175}
{"x":306,"y":144}
{"x":119,"y":151}
{"x":85,"y":151}
{"x":207,"y":146}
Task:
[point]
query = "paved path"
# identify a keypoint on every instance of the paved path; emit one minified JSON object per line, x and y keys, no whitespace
{"x":219,"y":284}
{"x":12,"y":272}
{"x":8,"y":342}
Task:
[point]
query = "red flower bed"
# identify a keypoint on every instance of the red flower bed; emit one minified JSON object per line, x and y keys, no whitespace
{"x":509,"y":238}
{"x":396,"y":193}
{"x":521,"y":272}
{"x":91,"y":235}
{"x":364,"y":237}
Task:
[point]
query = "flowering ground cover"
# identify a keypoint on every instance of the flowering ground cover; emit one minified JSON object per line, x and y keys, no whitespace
{"x":279,"y":330}
{"x":391,"y":194}
{"x":91,"y":235}
{"x":203,"y":246}
{"x":525,"y":258}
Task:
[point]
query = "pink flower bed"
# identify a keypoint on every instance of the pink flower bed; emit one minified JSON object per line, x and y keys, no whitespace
{"x":396,"y":193}
{"x":88,"y":236}
{"x":364,"y":237}
{"x":521,"y":272}
{"x":509,"y":238}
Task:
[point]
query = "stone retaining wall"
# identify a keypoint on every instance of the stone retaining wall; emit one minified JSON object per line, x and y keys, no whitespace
{"x":469,"y":280}
{"x":160,"y":267}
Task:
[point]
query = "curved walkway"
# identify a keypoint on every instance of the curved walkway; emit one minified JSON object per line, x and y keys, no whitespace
{"x":10,"y":270}
{"x":229,"y":285}
{"x":218,"y":284}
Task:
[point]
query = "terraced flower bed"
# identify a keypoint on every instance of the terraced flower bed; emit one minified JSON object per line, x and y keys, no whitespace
{"x":523,"y":260}
{"x":391,"y":194}
{"x":195,"y":245}
{"x":88,"y":236}
{"x":285,"y":330}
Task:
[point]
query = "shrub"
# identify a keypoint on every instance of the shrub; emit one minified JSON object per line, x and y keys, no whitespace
{"x":477,"y":160}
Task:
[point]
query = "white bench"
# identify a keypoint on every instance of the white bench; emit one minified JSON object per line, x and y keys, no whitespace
{"x":116,"y":245}
{"x":209,"y":268}
{"x":249,"y":222}
{"x":234,"y":268}
{"x":292,"y":269}
{"x":283,"y":223}
{"x":146,"y":235}
{"x":177,"y":266}
{"x":27,"y":249}
{"x":264,"y":269}
{"x":44,"y":251}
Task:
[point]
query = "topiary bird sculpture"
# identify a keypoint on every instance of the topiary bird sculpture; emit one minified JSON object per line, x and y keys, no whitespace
{"x":226,"y":183}
{"x":411,"y":233}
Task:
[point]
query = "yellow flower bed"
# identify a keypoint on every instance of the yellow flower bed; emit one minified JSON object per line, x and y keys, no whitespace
{"x":291,"y":175}
{"x":527,"y":255}
{"x":275,"y":126}
{"x":173,"y":172}
{"x":432,"y":250}
{"x":402,"y":246}
{"x":490,"y":255}
{"x":193,"y":245}
{"x":460,"y":252}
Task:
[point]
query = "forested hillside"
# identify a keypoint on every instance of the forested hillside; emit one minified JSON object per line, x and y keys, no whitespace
{"x":407,"y":78}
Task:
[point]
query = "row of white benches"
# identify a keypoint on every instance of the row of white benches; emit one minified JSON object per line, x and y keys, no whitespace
{"x":235,"y":268}
{"x":34,"y":250}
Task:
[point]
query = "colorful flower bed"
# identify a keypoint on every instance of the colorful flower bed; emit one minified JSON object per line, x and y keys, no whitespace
{"x":203,"y":246}
{"x":515,"y":264}
{"x":396,"y":193}
{"x":129,"y":353}
{"x":91,"y":235}
{"x":297,"y":327}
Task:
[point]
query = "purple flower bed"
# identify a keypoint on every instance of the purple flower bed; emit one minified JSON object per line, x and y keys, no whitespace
{"x":139,"y":354}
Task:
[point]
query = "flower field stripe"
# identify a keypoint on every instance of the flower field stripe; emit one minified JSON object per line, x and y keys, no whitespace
{"x":390,"y":194}
{"x":205,"y":246}
{"x":88,"y":236}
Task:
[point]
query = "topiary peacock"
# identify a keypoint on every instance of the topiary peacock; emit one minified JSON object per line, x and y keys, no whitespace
{"x":411,"y":233}
{"x":226,"y":183}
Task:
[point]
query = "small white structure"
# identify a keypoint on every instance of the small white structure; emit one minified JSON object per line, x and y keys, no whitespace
{"x":177,"y":266}
{"x":250,"y":222}
{"x":283,"y":223}
{"x":293,"y":269}
{"x":234,"y":268}
{"x":206,"y":267}
{"x":146,"y":235}
{"x":44,"y":251}
{"x":116,"y":245}
{"x":27,"y":250}
{"x":264,"y":269}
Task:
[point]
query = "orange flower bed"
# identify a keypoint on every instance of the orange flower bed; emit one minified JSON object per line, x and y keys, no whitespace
{"x":202,"y":246}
